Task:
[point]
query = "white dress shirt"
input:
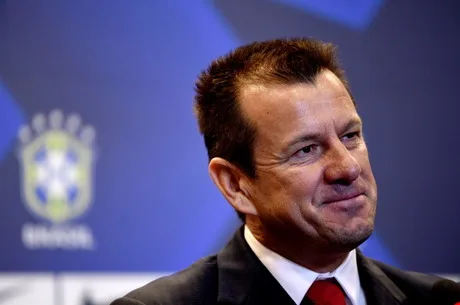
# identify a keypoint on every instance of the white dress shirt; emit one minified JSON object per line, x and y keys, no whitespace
{"x":296,"y":280}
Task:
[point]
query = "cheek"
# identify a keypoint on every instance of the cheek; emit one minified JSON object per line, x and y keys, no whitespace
{"x":367,"y":175}
{"x":300,"y":184}
{"x":364,"y":162}
{"x":287,"y":191}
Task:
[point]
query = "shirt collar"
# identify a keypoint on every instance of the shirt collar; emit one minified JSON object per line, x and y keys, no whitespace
{"x":296,"y":280}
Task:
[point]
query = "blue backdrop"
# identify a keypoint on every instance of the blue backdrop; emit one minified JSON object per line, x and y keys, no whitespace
{"x":127,"y":68}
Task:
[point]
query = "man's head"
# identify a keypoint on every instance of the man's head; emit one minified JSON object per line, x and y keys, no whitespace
{"x":285,"y":143}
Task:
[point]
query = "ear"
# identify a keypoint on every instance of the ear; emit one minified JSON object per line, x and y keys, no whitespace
{"x":233,"y":184}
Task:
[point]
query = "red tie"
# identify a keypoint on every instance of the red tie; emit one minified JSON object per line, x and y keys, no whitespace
{"x":326,"y":292}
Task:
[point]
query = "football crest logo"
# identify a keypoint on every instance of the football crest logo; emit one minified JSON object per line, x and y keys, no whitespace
{"x":56,"y":157}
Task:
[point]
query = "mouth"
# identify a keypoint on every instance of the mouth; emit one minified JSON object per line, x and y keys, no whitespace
{"x":343,"y":198}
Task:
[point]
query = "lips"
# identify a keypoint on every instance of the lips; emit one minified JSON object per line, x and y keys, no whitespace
{"x":342,"y":197}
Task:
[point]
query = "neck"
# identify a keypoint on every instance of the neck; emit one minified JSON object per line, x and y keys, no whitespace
{"x":300,"y":250}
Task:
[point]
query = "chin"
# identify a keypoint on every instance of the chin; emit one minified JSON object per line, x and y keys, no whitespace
{"x":352,"y":236}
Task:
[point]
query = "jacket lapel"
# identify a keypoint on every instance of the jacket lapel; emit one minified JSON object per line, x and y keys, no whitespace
{"x":377,"y":286}
{"x":243,"y":279}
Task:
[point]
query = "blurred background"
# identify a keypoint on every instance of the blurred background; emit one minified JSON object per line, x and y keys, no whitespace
{"x":96,"y":103}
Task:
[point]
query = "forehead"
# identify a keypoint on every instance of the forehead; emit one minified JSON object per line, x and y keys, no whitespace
{"x":281,"y":110}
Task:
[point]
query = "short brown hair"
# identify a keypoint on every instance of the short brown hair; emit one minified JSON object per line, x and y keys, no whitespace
{"x":227,"y":133}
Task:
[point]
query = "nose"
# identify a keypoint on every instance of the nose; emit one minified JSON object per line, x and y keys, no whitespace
{"x":341,"y":166}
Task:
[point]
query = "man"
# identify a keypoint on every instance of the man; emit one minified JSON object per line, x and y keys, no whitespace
{"x":286,"y":150}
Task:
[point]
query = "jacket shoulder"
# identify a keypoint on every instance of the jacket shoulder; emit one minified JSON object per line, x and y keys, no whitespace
{"x":196,"y":285}
{"x":410,"y":282}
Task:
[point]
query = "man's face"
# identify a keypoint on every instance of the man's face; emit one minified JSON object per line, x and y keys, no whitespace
{"x":313,"y":178}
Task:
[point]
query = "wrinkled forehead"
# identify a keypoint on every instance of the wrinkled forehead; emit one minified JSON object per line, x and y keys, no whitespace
{"x":278,"y":109}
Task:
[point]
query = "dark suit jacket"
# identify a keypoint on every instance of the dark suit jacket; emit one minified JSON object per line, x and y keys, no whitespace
{"x":236,"y":276}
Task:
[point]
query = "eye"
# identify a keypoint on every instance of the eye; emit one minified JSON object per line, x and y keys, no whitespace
{"x":351,"y":135}
{"x":306,"y":151}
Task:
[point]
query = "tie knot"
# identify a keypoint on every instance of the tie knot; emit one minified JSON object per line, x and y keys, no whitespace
{"x":326,"y":292}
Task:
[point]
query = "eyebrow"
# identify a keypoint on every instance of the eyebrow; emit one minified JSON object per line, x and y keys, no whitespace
{"x":314,"y":136}
{"x":355,"y":122}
